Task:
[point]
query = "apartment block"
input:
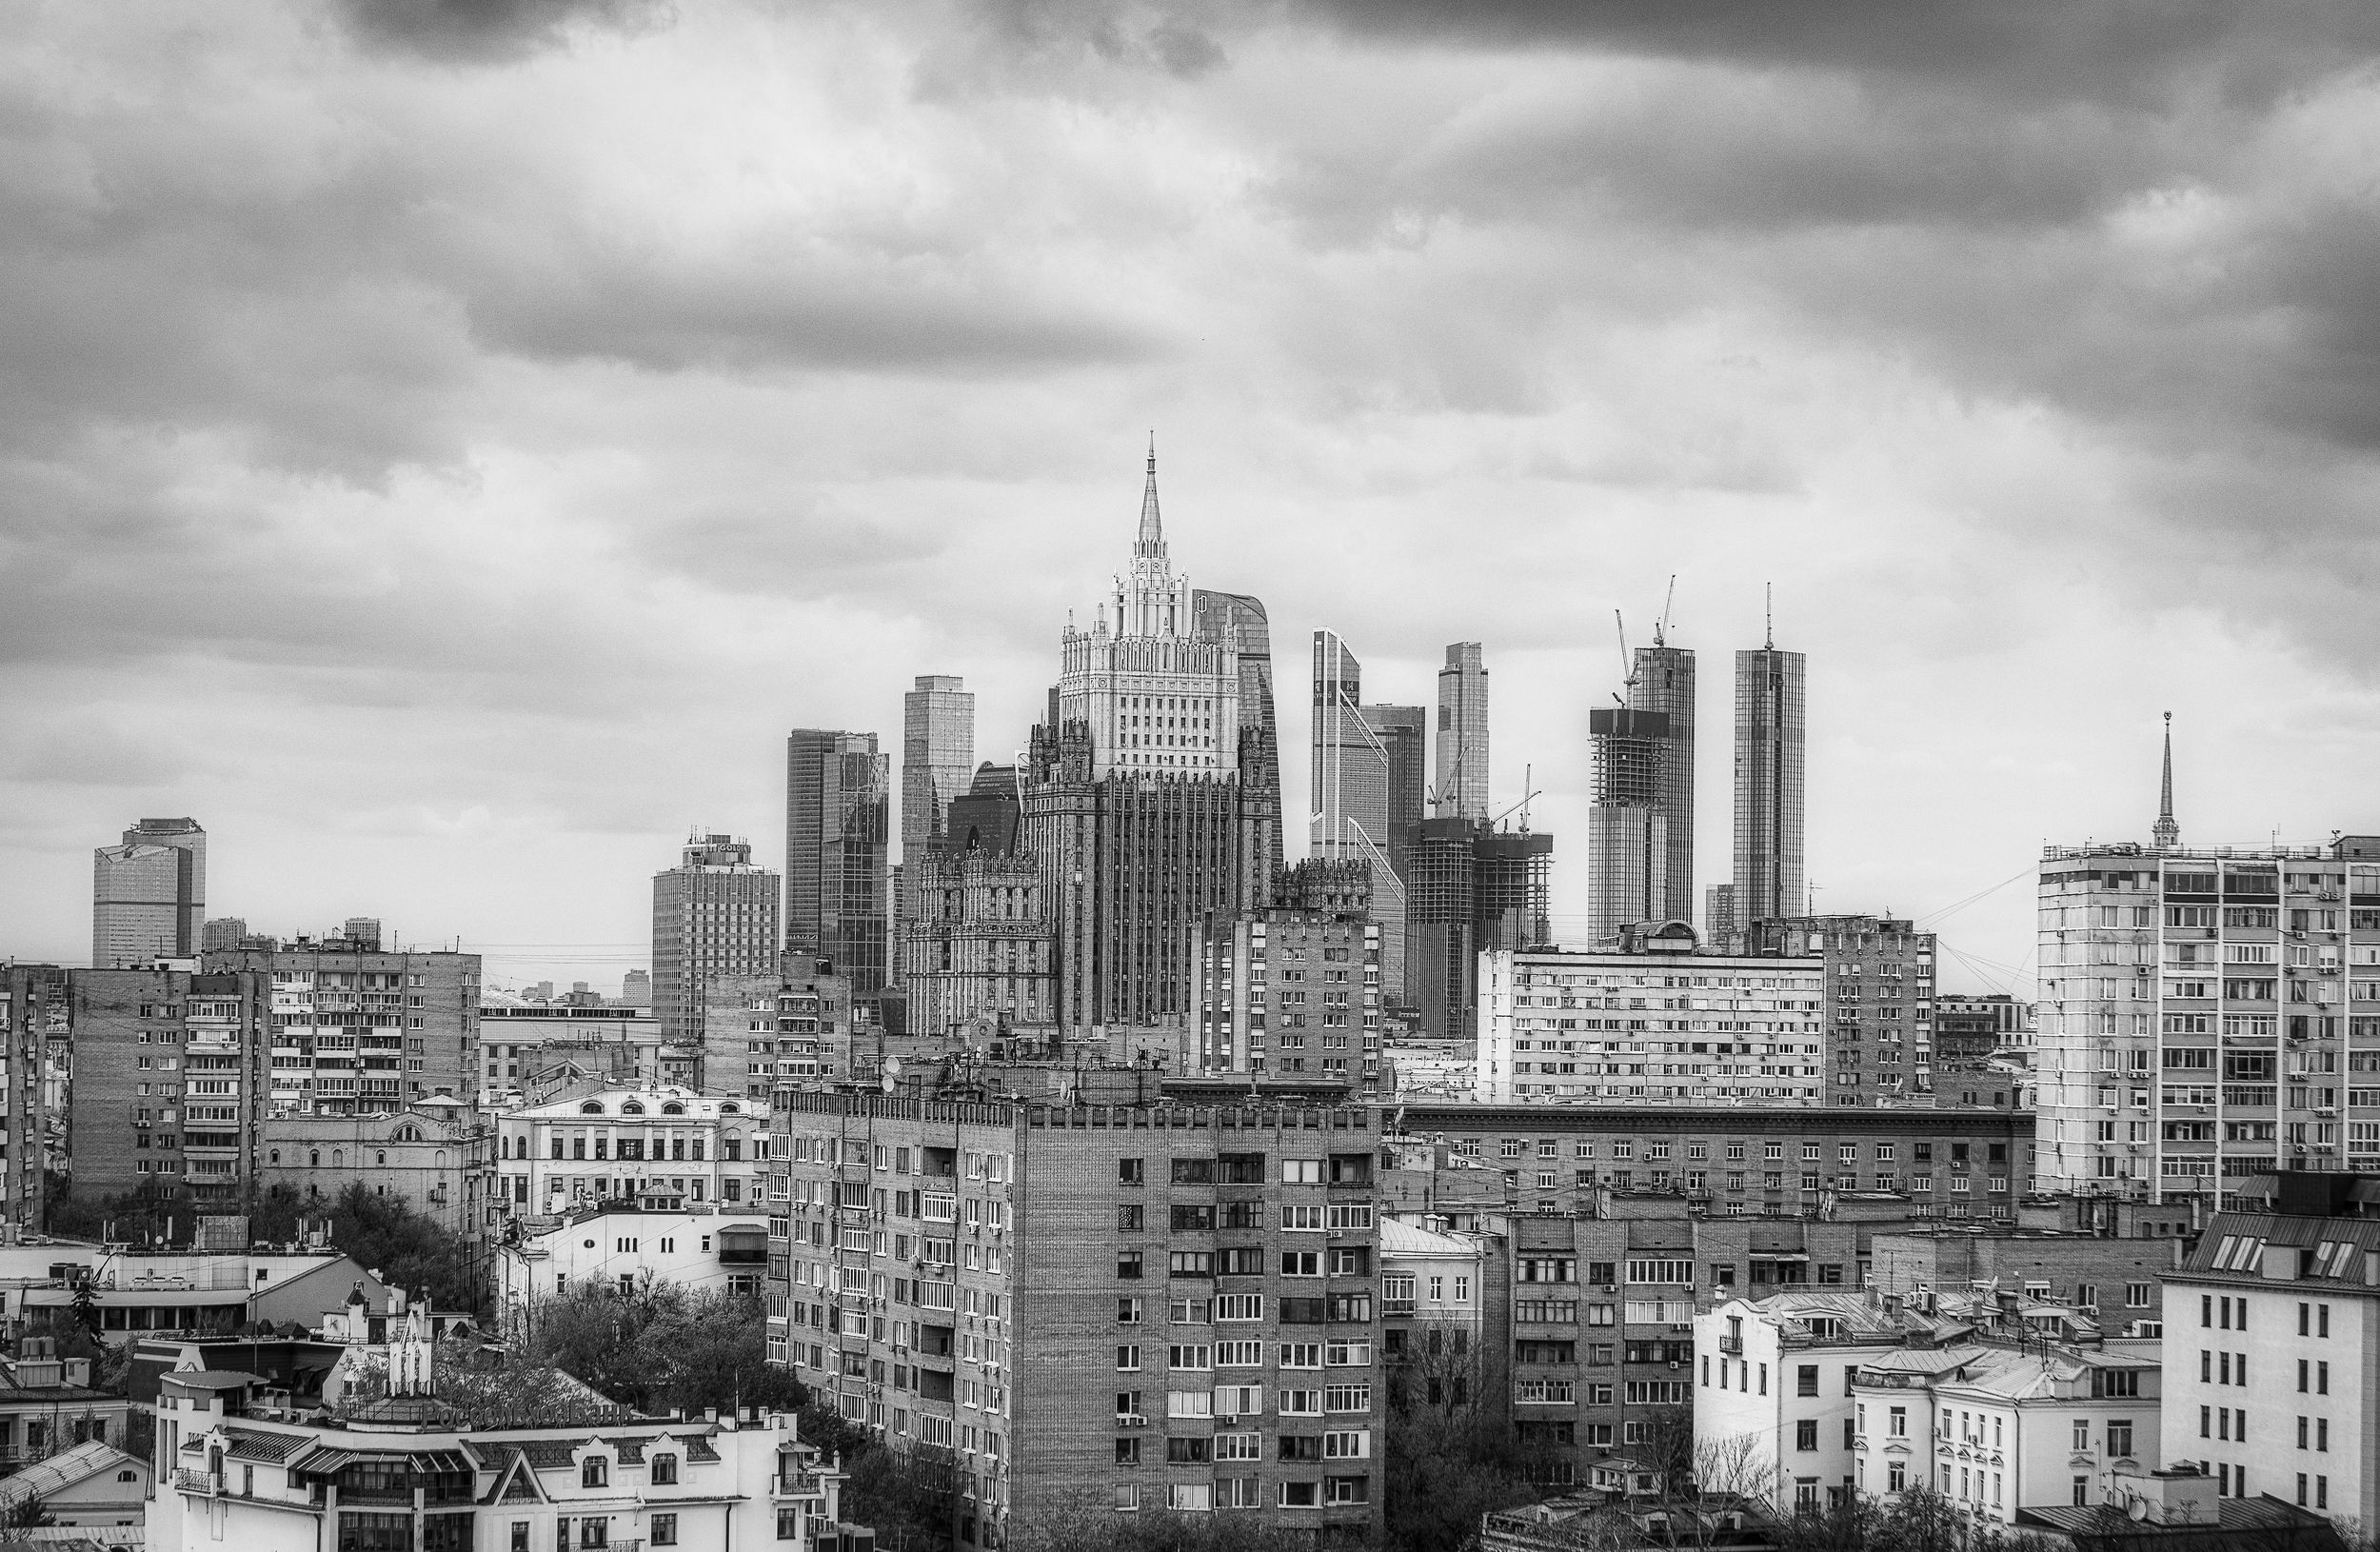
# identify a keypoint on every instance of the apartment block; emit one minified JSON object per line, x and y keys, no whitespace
{"x":356,"y":1029}
{"x":169,"y":1081}
{"x":1879,"y":1015}
{"x":759,"y":1031}
{"x":1167,"y":1307}
{"x":520,"y":1043}
{"x":37,"y":1008}
{"x":1291,"y":993}
{"x":2272,"y":1329}
{"x":1655,"y":1021}
{"x":2207,"y":1016}
{"x":625,"y":1145}
{"x":1742,"y":1161}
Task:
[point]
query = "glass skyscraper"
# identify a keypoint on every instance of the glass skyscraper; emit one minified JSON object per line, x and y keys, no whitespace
{"x":1769,"y":734}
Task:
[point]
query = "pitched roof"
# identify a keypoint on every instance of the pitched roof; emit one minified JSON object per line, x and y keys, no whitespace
{"x":1398,"y":1238}
{"x":62,"y":1470}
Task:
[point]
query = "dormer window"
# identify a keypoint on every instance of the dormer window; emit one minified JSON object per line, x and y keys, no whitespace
{"x":632,"y":1108}
{"x":665,"y":1470}
{"x":594,"y":1472}
{"x":592,"y":1107}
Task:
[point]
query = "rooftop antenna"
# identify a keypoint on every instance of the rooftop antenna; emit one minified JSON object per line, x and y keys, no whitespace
{"x":1661,"y":627}
{"x":1768,"y":614}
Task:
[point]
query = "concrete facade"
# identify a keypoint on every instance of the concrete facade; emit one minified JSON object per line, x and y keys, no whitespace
{"x":1290,"y":993}
{"x":149,"y":895}
{"x":356,"y":1029}
{"x":2207,"y":1016}
{"x":1162,"y":1308}
{"x":714,"y":914}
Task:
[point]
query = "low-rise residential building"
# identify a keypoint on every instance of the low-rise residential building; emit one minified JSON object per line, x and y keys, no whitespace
{"x":91,"y":1484}
{"x":411,"y":1471}
{"x":621,"y":1247}
{"x":2176,"y":1510}
{"x":432,"y":1156}
{"x":1776,"y":1373}
{"x":2273,"y":1342}
{"x":48,"y":1406}
{"x":142,"y":1294}
{"x":2118,"y":1283}
{"x":1444,"y":1309}
{"x":1995,"y":1426}
{"x":618,"y":1144}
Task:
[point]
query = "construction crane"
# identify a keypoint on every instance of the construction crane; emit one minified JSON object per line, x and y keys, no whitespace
{"x":1661,"y":627}
{"x":1627,"y":663}
{"x":1527,"y":793}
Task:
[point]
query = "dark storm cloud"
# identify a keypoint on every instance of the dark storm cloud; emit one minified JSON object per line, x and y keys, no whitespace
{"x":2121,"y":50}
{"x":487,"y":32}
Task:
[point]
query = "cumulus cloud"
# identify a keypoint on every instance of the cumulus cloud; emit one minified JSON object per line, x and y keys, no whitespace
{"x":477,"y":429}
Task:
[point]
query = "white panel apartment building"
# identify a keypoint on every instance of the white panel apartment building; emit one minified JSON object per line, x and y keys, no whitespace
{"x":2206,"y":1016}
{"x":620,"y":1144}
{"x":1668,"y":1025}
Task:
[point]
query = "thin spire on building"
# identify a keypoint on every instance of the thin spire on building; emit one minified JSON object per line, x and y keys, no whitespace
{"x":2167,"y":834}
{"x":1151,"y":541}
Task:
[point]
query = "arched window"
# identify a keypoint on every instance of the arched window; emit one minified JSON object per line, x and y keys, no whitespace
{"x":380,"y":1158}
{"x":405,"y":1134}
{"x":632,"y":1108}
{"x":438,"y":1159}
{"x":592,"y":1107}
{"x":337,"y":1158}
{"x":673,"y":1109}
{"x":313,"y":1158}
{"x":276,"y":1156}
{"x":730,"y":1108}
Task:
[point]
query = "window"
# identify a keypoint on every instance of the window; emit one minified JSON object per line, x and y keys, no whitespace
{"x":594,"y":1472}
{"x":1806,"y":1434}
{"x":1128,"y":1172}
{"x":1806,"y":1380}
{"x":665,"y":1470}
{"x":665,"y":1529}
{"x":2119,"y":1436}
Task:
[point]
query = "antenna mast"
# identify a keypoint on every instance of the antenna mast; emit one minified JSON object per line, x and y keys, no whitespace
{"x":1768,"y":615}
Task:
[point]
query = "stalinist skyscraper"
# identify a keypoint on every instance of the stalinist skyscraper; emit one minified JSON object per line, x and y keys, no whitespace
{"x":1134,"y":798}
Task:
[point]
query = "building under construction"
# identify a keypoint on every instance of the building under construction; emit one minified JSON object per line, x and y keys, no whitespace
{"x":1627,"y":830}
{"x":1472,"y":889}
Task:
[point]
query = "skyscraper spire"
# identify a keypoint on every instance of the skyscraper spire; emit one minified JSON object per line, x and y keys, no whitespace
{"x":1151,"y":541}
{"x":2167,"y":834}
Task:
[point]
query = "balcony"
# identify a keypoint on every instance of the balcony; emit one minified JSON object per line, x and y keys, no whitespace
{"x":1399,"y":1307}
{"x":797,"y":1484}
{"x":188,"y":1481}
{"x":1733,"y":1346}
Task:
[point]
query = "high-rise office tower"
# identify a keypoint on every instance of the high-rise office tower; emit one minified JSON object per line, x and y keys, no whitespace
{"x":1471,"y":889}
{"x":1770,"y":724}
{"x":1404,"y":731}
{"x":838,"y":867}
{"x":149,"y":895}
{"x":1462,"y":733}
{"x":1627,"y":832}
{"x":1663,"y":682}
{"x":714,"y":914}
{"x":1350,"y":817}
{"x":936,"y":758}
{"x":1133,"y":799}
{"x":1238,"y":621}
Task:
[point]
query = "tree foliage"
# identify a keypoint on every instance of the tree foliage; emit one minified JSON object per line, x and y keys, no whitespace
{"x":1454,"y":1453}
{"x":659,"y":1347}
{"x":409,"y":1249}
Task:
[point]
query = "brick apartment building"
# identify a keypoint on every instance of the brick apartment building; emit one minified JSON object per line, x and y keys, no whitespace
{"x":1139,"y":1309}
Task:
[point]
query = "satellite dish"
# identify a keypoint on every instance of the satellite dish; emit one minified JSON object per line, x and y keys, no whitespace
{"x":892,"y":1066}
{"x":2138,"y":1508}
{"x":888,"y":1082}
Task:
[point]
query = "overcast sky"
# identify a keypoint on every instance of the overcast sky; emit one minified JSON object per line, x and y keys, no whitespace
{"x":443,"y":446}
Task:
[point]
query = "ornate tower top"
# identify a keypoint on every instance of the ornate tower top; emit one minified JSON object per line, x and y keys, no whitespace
{"x":1150,"y":542}
{"x":2166,"y":834}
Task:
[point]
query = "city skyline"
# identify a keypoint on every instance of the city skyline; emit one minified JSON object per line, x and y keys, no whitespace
{"x":573,"y":468}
